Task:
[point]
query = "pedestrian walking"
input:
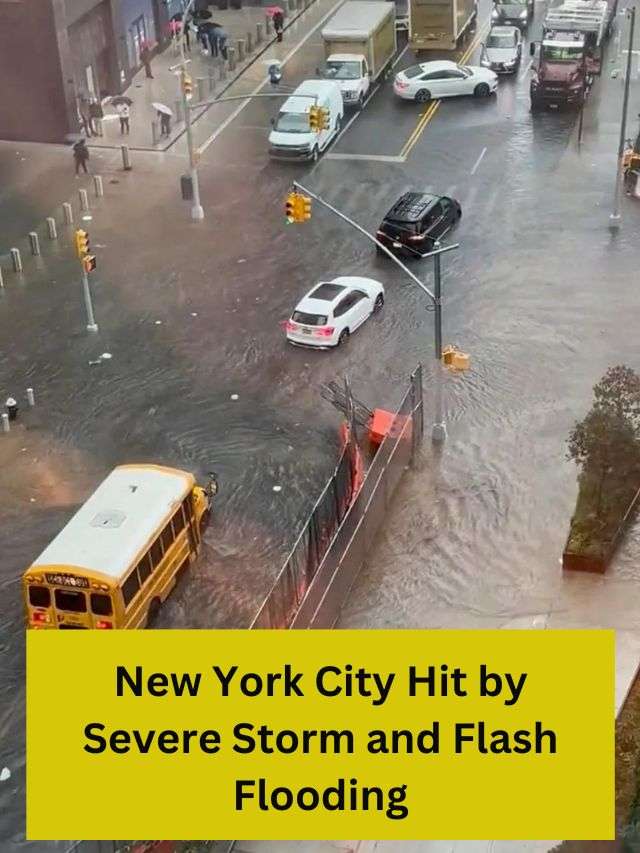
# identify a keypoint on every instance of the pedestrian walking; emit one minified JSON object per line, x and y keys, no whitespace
{"x":278,"y":24}
{"x":81,"y":156}
{"x":96,"y":115}
{"x":213,"y":42}
{"x":145,"y":58}
{"x":123,"y":114}
{"x":83,"y":114}
{"x":12,"y":408}
{"x":221,"y":39}
{"x":165,"y":123}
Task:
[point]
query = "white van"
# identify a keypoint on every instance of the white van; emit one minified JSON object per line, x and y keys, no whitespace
{"x":291,"y":137}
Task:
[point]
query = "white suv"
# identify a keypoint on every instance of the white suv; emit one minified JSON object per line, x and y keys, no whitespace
{"x":333,"y":310}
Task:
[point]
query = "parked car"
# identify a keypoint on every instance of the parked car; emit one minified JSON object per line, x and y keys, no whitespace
{"x":416,"y":221}
{"x":502,"y":50}
{"x":516,"y":12}
{"x":443,"y":79}
{"x":333,"y":310}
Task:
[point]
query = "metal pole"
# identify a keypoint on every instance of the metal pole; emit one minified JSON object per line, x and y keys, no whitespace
{"x":91,"y":321}
{"x":31,"y":397}
{"x":34,"y":242}
{"x":16,"y":260}
{"x":98,"y":186}
{"x":126,"y":161}
{"x":614,"y":219}
{"x":67,"y":212}
{"x":84,"y":200}
{"x":52,"y":228}
{"x":6,"y":426}
{"x":1,"y":279}
{"x":582,"y":99}
{"x":439,"y":429}
{"x":197,"y":211}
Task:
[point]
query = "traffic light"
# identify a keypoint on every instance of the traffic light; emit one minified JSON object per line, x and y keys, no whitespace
{"x":314,"y":119}
{"x":82,"y":243}
{"x":322,"y":114}
{"x":290,"y":207}
{"x":187,"y":86}
{"x":89,"y":263}
{"x":305,"y":208}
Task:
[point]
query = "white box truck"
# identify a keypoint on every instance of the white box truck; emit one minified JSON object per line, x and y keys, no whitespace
{"x":440,"y":24}
{"x":359,"y":46}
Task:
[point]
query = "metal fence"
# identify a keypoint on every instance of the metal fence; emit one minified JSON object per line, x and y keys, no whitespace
{"x":318,"y":574}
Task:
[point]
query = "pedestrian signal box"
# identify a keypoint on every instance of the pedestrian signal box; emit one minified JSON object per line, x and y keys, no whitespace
{"x":82,"y":243}
{"x":290,"y":208}
{"x":187,"y":86}
{"x":89,"y":263}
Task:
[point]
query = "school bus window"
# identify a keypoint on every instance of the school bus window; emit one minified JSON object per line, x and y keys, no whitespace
{"x":71,"y":600}
{"x":144,"y":568}
{"x":39,"y":596}
{"x":167,"y":537}
{"x":186,"y":509}
{"x":130,"y":587}
{"x":156,"y":553}
{"x":100,"y":604}
{"x":178,"y":521}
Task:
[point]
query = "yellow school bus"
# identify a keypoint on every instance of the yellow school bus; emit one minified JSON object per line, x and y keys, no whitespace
{"x":122,"y":553}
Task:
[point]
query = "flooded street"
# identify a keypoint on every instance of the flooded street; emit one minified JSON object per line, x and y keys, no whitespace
{"x":539,"y":294}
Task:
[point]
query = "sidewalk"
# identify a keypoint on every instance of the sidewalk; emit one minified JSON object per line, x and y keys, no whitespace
{"x":211,"y":76}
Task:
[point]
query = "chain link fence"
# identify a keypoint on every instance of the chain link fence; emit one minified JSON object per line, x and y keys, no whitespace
{"x":335,"y":541}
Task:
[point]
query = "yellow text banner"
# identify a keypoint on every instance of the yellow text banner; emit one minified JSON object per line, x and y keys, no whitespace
{"x":320,"y":734}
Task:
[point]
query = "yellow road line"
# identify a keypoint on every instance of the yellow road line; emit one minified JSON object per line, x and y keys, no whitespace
{"x":433,"y":107}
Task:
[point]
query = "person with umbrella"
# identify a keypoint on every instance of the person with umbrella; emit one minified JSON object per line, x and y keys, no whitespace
{"x":81,"y":156}
{"x":164,"y":114}
{"x":122,"y":104}
{"x":277,"y":16}
{"x":145,"y":58}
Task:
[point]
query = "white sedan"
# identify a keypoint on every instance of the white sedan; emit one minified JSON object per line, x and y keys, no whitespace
{"x":443,"y":79}
{"x":333,"y":310}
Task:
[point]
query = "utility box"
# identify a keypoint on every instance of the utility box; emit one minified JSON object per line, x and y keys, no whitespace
{"x":186,"y":186}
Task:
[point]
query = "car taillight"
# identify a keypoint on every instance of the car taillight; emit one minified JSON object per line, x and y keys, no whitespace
{"x":417,"y":237}
{"x":39,"y":617}
{"x":324,"y":332}
{"x":102,"y":623}
{"x":290,"y":326}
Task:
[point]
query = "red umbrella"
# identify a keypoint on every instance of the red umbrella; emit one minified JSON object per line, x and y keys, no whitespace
{"x":273,"y":10}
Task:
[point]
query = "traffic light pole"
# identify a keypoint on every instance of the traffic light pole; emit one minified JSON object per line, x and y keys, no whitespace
{"x":614,"y":218}
{"x":92,"y":326}
{"x":439,"y":430}
{"x":197,"y":211}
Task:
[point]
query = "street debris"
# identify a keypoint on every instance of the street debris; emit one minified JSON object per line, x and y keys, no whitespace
{"x":5,"y":774}
{"x":235,"y":396}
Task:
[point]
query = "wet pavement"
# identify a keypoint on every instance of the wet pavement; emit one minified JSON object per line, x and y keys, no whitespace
{"x":539,"y":293}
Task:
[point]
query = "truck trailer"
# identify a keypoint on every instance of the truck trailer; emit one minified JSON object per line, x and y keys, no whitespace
{"x":359,"y":44}
{"x":440,"y":24}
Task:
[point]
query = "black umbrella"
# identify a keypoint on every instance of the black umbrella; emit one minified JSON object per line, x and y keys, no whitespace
{"x":206,"y":27}
{"x":177,"y":17}
{"x":121,"y":99}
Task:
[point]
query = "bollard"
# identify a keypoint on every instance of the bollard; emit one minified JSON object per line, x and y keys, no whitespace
{"x":34,"y":242}
{"x":1,"y":279}
{"x":126,"y":162}
{"x":248,"y":40}
{"x":240,"y":48}
{"x":31,"y":400}
{"x":291,"y":4}
{"x":16,"y":260}
{"x":223,"y":70}
{"x":259,"y":32}
{"x":232,"y":59}
{"x":155,"y":133}
{"x":67,"y":212}
{"x":84,"y":200}
{"x":200,"y":82}
{"x":212,"y":81}
{"x":52,"y":229}
{"x":267,"y":26}
{"x":97,"y":185}
{"x":177,"y":107}
{"x":5,"y":423}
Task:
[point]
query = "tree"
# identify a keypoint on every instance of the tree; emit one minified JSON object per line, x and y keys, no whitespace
{"x":618,"y":392}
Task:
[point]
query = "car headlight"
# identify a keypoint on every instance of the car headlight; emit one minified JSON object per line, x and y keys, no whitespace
{"x":523,"y":15}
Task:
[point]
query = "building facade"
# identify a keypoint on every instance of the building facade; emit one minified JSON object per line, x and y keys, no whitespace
{"x":55,"y":52}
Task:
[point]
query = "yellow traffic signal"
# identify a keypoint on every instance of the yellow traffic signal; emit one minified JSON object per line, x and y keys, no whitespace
{"x":187,"y":86}
{"x":82,"y":243}
{"x":290,"y":207}
{"x":322,"y":114}
{"x":314,"y":119}
{"x":305,"y":208}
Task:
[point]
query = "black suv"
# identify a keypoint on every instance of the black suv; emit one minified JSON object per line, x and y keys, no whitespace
{"x":416,"y":221}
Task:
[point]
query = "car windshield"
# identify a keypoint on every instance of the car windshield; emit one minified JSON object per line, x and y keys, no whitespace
{"x":343,"y":70}
{"x":501,"y":41}
{"x":413,"y":71}
{"x":309,"y":319}
{"x":562,"y":54}
{"x":293,"y":123}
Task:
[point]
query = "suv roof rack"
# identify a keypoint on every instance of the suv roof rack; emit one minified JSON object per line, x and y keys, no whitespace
{"x":411,"y":206}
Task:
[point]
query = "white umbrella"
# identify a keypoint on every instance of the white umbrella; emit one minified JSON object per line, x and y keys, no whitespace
{"x":162,"y":108}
